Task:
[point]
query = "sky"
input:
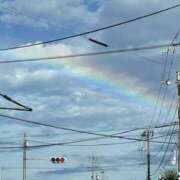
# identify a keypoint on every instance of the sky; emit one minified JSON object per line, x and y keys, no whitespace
{"x":108,"y":93}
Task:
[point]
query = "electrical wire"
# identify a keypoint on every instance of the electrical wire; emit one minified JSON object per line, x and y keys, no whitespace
{"x":165,"y":92}
{"x":171,"y":153}
{"x":94,"y":30}
{"x":163,"y":78}
{"x":167,"y":147}
{"x":147,"y":59}
{"x":168,"y":78}
{"x":79,"y":141}
{"x":159,"y":46}
{"x":74,"y":130}
{"x":102,"y":144}
{"x":69,"y":129}
{"x":166,"y":87}
{"x":163,"y":158}
{"x":169,"y":130}
{"x":48,"y":168}
{"x":166,"y":137}
{"x":122,"y":132}
{"x":88,"y":145}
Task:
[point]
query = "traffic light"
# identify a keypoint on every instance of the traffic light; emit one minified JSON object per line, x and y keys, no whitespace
{"x":57,"y":160}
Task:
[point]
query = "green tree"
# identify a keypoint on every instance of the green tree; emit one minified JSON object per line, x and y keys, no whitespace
{"x":169,"y":175}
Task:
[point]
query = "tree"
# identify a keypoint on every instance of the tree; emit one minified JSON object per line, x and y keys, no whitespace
{"x":169,"y":175}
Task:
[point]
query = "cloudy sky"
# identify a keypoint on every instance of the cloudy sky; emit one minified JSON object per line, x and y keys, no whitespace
{"x":108,"y":93}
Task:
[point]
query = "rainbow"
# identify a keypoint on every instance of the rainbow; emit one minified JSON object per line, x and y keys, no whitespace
{"x":117,"y":88}
{"x":100,"y":81}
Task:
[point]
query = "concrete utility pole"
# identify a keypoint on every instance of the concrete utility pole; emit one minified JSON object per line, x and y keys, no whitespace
{"x":147,"y":134}
{"x":178,"y":87}
{"x":168,"y":82}
{"x":94,"y":167}
{"x":93,"y":163}
{"x":24,"y":156}
{"x":148,"y":158}
{"x":2,"y":173}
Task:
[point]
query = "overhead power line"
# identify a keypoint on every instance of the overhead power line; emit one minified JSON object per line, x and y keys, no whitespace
{"x":164,"y":155}
{"x":102,"y":144}
{"x":159,"y":46}
{"x":118,"y":131}
{"x":83,"y":140}
{"x":85,"y":145}
{"x":163,"y":76}
{"x":79,"y":131}
{"x":167,"y":147}
{"x":105,"y":167}
{"x":60,"y":127}
{"x":94,"y":30}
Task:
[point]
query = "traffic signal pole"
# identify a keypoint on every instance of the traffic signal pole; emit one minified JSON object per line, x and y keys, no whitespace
{"x":24,"y":156}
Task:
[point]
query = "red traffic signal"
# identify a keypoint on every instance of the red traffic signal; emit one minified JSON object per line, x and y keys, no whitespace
{"x":57,"y":160}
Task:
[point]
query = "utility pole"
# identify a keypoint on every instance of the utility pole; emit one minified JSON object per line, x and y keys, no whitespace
{"x":96,"y":172}
{"x":168,"y":82}
{"x":93,"y":167}
{"x":24,"y":156}
{"x":102,"y":175}
{"x":147,"y":134}
{"x":148,"y":157}
{"x":178,"y":88}
{"x":1,"y":173}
